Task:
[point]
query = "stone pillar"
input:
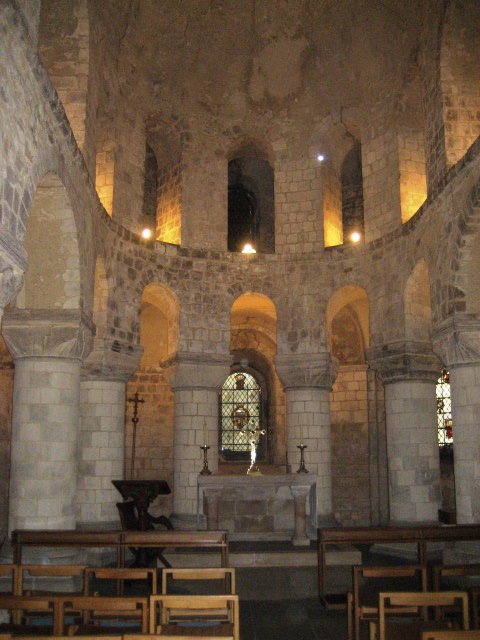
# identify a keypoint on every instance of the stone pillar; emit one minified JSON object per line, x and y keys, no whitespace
{"x":458,"y":341}
{"x":409,"y":372}
{"x":307,"y":381}
{"x":101,"y":435}
{"x":198,"y":379}
{"x":46,"y":347}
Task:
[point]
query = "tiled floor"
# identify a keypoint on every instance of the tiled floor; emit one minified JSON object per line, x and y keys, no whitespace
{"x":283,"y":604}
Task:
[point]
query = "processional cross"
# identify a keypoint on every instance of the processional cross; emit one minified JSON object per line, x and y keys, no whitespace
{"x":136,"y":401}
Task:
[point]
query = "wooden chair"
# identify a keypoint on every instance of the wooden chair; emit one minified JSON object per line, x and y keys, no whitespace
{"x":223,"y":577}
{"x":113,"y":615}
{"x":25,"y":606}
{"x":195,"y":615}
{"x":398,"y":603}
{"x":459,"y":576}
{"x":50,"y":578}
{"x":130,"y":522}
{"x":121,"y":575}
{"x":453,"y":634}
{"x":9,"y":571}
{"x":368,"y":582}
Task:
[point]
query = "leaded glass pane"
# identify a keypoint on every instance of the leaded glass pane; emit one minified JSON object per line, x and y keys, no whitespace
{"x":240,"y":405}
{"x":444,"y":411}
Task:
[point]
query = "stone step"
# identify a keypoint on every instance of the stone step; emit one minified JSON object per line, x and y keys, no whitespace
{"x":256,"y":555}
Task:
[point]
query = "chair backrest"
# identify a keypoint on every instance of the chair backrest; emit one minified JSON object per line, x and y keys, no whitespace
{"x":165,"y":609}
{"x":40,"y":578}
{"x":454,"y":571}
{"x":99,"y":607}
{"x":393,"y":603}
{"x":128,"y":516}
{"x":10,"y":571}
{"x":40,"y":604}
{"x":217,"y":577}
{"x":121,"y":574}
{"x":452,"y":634}
{"x":412,"y":577}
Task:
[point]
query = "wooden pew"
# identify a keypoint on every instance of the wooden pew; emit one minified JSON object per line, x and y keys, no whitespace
{"x":224,"y":576}
{"x":120,"y":541}
{"x":420,"y":536}
{"x":120,"y":575}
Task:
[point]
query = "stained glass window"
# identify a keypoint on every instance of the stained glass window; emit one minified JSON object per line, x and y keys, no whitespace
{"x":240,"y":404}
{"x":444,"y":411}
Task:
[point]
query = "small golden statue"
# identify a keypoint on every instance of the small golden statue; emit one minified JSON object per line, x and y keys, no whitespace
{"x":253,"y":438}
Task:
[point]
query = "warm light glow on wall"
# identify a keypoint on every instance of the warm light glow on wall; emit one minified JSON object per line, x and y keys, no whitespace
{"x":146,"y":233}
{"x":248,"y":248}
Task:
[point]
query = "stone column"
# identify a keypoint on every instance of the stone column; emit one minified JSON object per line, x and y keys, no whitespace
{"x":101,"y":436}
{"x":409,"y":372}
{"x":198,"y":379}
{"x":307,"y":381}
{"x":458,"y":341}
{"x":46,"y":347}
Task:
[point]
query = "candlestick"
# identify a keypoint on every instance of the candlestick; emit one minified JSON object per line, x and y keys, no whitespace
{"x":302,"y":468}
{"x":205,"y":471}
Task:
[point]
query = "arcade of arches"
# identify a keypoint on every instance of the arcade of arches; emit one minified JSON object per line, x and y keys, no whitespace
{"x":297,"y":125}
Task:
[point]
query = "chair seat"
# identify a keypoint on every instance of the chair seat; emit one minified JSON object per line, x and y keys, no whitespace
{"x":209,"y":629}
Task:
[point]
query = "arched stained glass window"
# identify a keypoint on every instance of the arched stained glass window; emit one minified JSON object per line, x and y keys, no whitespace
{"x":444,"y":411}
{"x":241,"y":403}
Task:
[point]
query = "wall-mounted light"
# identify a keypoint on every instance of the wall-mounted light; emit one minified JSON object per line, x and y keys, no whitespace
{"x":320,"y":157}
{"x":146,"y":233}
{"x":355,"y":237}
{"x":248,"y":248}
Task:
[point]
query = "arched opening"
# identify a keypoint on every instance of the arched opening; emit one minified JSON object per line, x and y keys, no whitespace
{"x":159,"y":327}
{"x":251,"y":209}
{"x":253,"y":342}
{"x":351,"y":177}
{"x":348,"y":337}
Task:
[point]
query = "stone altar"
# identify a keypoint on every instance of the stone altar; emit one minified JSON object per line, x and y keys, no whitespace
{"x":268,"y":507}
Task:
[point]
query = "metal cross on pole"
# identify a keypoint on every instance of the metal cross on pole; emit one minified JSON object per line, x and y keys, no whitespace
{"x":136,"y":401}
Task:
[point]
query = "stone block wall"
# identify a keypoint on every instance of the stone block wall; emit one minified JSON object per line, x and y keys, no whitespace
{"x":298,"y":206}
{"x":154,"y":438}
{"x":350,"y":447}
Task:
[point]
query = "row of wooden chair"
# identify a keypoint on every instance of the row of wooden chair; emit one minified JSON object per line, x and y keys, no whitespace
{"x":211,"y":615}
{"x":40,"y":579}
{"x":369,"y":581}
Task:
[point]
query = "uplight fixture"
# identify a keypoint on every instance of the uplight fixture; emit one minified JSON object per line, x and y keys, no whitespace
{"x":355,"y":237}
{"x":320,"y":157}
{"x":248,"y":248}
{"x":146,"y":233}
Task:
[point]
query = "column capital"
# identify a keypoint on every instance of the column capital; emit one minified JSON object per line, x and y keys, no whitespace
{"x":405,"y":360}
{"x":457,"y":340}
{"x":200,"y":370}
{"x":111,"y":360}
{"x":307,"y":370}
{"x":55,"y":333}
